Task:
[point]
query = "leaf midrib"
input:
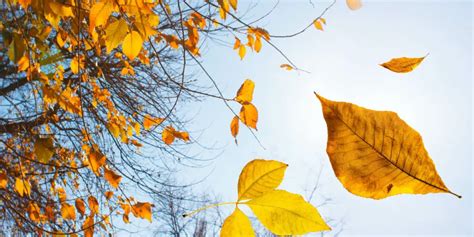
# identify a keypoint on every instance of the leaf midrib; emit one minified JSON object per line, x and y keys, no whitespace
{"x":253,"y":183}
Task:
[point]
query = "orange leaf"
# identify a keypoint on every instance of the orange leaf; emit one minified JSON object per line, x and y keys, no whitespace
{"x":167,"y":135}
{"x":113,"y":178}
{"x":245,"y":92}
{"x":96,"y":160}
{"x":149,"y":122}
{"x":142,"y":210}
{"x":3,"y":180}
{"x":93,"y":204}
{"x":318,"y":25}
{"x":88,"y":226}
{"x":234,"y":127}
{"x":249,"y":115}
{"x":287,"y":67}
{"x":242,"y":51}
{"x":80,"y":206}
{"x":68,"y":212}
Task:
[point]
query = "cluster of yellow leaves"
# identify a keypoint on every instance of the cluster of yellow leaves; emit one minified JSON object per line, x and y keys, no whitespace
{"x":248,"y":112}
{"x":375,"y":154}
{"x":402,"y":65}
{"x":254,"y":41}
{"x":281,"y":212}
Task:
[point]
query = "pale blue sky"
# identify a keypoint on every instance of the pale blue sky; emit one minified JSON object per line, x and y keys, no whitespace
{"x":435,"y":99}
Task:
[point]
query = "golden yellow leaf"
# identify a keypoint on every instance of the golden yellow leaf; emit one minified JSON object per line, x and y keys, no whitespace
{"x":132,"y":44}
{"x":113,"y":178}
{"x":354,"y":4}
{"x":286,"y":66}
{"x":80,"y":206}
{"x":259,"y":177}
{"x":234,"y":126}
{"x":402,"y":65}
{"x":237,"y":43}
{"x":142,"y":210}
{"x":167,"y":135}
{"x":3,"y":180}
{"x":149,"y":122}
{"x":44,"y":149}
{"x":233,"y":4}
{"x":245,"y":92}
{"x":285,"y":213}
{"x":115,"y":34}
{"x":242,"y":51}
{"x":318,"y":25}
{"x":375,"y":154}
{"x":88,"y":226}
{"x":68,"y":212}
{"x":93,"y":204}
{"x":237,"y":225}
{"x":249,"y":115}
{"x":34,"y":211}
{"x":99,"y":14}
{"x":258,"y":44}
{"x":22,"y":187}
{"x":23,"y":63}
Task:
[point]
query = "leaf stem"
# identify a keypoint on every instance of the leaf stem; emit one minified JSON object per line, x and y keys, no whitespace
{"x":207,"y":207}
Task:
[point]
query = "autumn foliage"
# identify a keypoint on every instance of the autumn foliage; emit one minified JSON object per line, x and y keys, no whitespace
{"x":90,"y":92}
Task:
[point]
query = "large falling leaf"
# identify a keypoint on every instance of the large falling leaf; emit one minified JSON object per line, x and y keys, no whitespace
{"x":237,"y":225}
{"x":402,"y":65}
{"x":286,"y":213}
{"x":259,"y":177}
{"x":375,"y":154}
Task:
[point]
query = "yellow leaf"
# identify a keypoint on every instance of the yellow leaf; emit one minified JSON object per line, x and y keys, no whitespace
{"x":318,"y":25}
{"x":237,"y":43}
{"x":99,"y":14}
{"x":287,"y":67}
{"x":402,"y":65}
{"x":149,"y":122}
{"x":245,"y":92}
{"x":375,"y":154}
{"x":322,"y":20}
{"x":34,"y":211}
{"x":285,"y":213}
{"x":113,"y":178}
{"x":237,"y":225}
{"x":23,"y":63}
{"x":258,"y":44}
{"x":259,"y":177}
{"x":61,"y":9}
{"x":242,"y":51}
{"x":93,"y":204}
{"x":115,"y":34}
{"x":3,"y":180}
{"x":68,"y":212}
{"x":132,"y":44}
{"x":80,"y":206}
{"x":44,"y":149}
{"x":354,"y":4}
{"x":142,"y":210}
{"x":22,"y":187}
{"x":233,"y":4}
{"x":234,"y":126}
{"x":249,"y":115}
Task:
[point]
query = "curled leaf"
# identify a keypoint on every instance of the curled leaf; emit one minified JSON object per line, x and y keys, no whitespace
{"x":375,"y":154}
{"x":402,"y":65}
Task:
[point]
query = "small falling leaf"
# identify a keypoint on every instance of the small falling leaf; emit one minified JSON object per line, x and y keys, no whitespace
{"x":375,"y":154}
{"x":287,"y":67}
{"x":354,"y":4}
{"x":237,"y":225}
{"x":318,"y":25}
{"x":402,"y":65}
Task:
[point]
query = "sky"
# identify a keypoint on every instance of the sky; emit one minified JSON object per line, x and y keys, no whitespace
{"x":435,"y":99}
